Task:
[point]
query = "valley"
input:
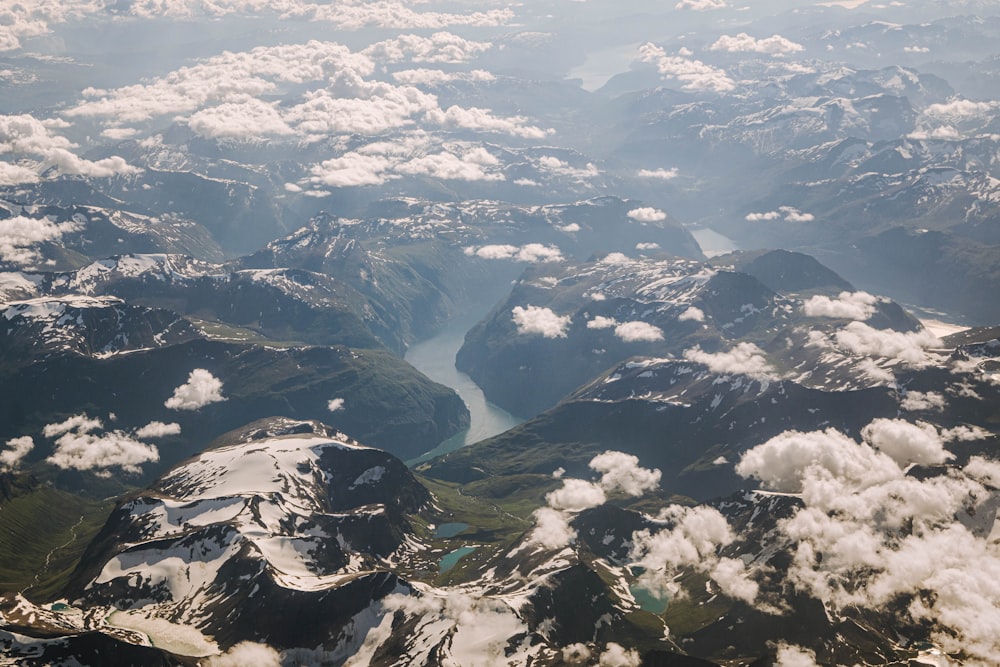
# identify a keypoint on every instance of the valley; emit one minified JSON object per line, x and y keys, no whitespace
{"x":405,"y":333}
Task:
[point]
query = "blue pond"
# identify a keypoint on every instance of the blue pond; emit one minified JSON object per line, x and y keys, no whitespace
{"x":450,"y":529}
{"x":450,"y":560}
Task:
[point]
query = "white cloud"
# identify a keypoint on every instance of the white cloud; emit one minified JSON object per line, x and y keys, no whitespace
{"x":530,"y":252}
{"x":701,"y":5}
{"x":87,"y":451}
{"x":794,"y":656}
{"x":448,"y":166}
{"x":786,"y":213}
{"x":80,"y":423}
{"x":638,"y":331}
{"x":17,"y":449}
{"x":576,"y":654}
{"x":647,"y":214}
{"x":435,"y":77}
{"x":916,"y":49}
{"x":23,"y":20}
{"x":909,"y":347}
{"x":786,"y":460}
{"x":552,"y":529}
{"x":742,"y":359}
{"x":247,"y":119}
{"x":335,"y":404}
{"x":661,"y":173}
{"x":24,"y":136}
{"x":392,"y":14}
{"x":960,"y":109}
{"x":441,"y":47}
{"x":867,"y":536}
{"x":693,"y":74}
{"x":157,"y":429}
{"x":906,"y":443}
{"x":773,"y":45}
{"x":918,"y":400}
{"x":602,"y":322}
{"x":576,"y":495}
{"x":352,"y":169}
{"x":847,"y":305}
{"x":692,"y":541}
{"x":621,"y":472}
{"x":19,"y":236}
{"x":692,"y":314}
{"x":541,"y":321}
{"x":245,"y":654}
{"x":483,"y":120}
{"x":647,"y":246}
{"x":616,"y":258}
{"x":615,"y":655}
{"x":757,"y":217}
{"x":964,"y":433}
{"x":201,"y":389}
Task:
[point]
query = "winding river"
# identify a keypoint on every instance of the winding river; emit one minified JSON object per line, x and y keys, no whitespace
{"x":435,"y":358}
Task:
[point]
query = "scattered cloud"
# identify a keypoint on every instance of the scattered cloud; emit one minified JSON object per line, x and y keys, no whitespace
{"x":742,"y":359}
{"x":530,"y":252}
{"x":907,"y":443}
{"x":693,"y":74}
{"x":960,"y":108}
{"x":552,"y":529}
{"x":576,"y":495}
{"x":647,"y":246}
{"x":638,"y":331}
{"x":602,"y":322}
{"x":483,"y":120}
{"x":615,"y":655}
{"x":16,"y":449}
{"x":786,"y":213}
{"x":335,"y":404}
{"x":36,"y":148}
{"x":541,"y":321}
{"x":773,"y":45}
{"x":701,"y":5}
{"x":620,"y":473}
{"x":88,"y":451}
{"x":868,"y":536}
{"x":917,"y":400}
{"x":909,"y":347}
{"x":692,"y":541}
{"x":441,"y":47}
{"x":692,"y":314}
{"x":201,"y":389}
{"x":245,"y":653}
{"x":157,"y":429}
{"x":448,"y":166}
{"x":794,"y":656}
{"x":80,"y":423}
{"x":436,"y":77}
{"x":847,"y":305}
{"x":20,"y":236}
{"x":784,"y":462}
{"x":647,"y":214}
{"x":660,"y":174}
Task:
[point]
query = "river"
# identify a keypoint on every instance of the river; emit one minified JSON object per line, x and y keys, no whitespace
{"x":435,"y":358}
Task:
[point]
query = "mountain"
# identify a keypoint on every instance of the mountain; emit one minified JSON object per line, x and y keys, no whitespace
{"x":289,"y":535}
{"x":564,"y":324}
